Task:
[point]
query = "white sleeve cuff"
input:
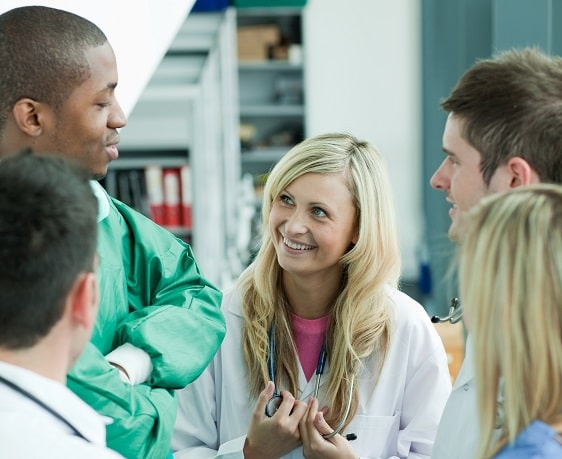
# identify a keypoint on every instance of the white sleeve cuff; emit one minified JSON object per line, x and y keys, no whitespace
{"x":134,"y":361}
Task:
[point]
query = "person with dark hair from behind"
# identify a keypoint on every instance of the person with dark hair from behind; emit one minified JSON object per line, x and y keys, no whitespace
{"x":502,"y":132}
{"x":48,"y":305}
{"x":160,"y":321}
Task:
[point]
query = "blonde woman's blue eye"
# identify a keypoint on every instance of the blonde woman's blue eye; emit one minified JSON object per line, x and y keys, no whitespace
{"x":285,"y":199}
{"x":318,"y":212}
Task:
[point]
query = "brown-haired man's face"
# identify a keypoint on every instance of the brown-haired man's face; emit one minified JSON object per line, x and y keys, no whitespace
{"x":460,"y":178}
{"x":85,"y":127}
{"x":459,"y":175}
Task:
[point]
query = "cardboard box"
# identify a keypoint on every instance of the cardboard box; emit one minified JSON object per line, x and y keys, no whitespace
{"x":254,"y":41}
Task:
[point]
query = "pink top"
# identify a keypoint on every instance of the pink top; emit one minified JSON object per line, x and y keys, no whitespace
{"x":309,"y":336}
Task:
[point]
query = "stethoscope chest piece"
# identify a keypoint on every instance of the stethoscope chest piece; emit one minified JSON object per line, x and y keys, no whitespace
{"x":273,"y":405}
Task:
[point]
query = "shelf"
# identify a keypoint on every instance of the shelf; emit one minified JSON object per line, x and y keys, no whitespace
{"x":271,"y":91}
{"x":272,"y":110}
{"x":124,"y":163}
{"x":198,"y":33}
{"x":179,"y":69}
{"x":269,"y":11}
{"x":188,"y":114}
{"x":264,"y":155}
{"x":176,"y":93}
{"x":274,"y":66}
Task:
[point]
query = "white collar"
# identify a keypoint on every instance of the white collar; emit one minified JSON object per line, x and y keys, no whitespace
{"x":103,"y":200}
{"x":61,"y":399}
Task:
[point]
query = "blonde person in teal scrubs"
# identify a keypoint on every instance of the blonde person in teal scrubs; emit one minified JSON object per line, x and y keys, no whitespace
{"x":511,"y":284}
{"x":159,"y":322}
{"x":323,"y":357}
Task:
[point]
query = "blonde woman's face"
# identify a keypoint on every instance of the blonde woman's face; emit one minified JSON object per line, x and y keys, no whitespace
{"x":312,"y":223}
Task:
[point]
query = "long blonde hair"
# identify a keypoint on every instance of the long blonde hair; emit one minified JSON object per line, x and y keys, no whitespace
{"x":510,"y":276}
{"x":360,"y":322}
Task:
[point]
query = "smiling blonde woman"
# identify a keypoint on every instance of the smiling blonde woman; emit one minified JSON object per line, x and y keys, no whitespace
{"x":323,"y":357}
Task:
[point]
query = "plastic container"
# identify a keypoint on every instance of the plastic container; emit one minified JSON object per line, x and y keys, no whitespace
{"x":209,"y":5}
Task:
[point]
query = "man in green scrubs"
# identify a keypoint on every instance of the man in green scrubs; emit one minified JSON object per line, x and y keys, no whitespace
{"x":159,"y":322}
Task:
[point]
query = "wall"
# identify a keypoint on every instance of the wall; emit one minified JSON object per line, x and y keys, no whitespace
{"x":363,"y":76}
{"x":455,"y":34}
{"x":140,"y":32}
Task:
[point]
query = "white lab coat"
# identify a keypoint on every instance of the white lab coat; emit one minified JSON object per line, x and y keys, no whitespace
{"x":396,"y":419}
{"x":458,"y":431}
{"x":27,"y":430}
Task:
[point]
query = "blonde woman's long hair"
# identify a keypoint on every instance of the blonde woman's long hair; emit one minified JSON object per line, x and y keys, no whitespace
{"x":510,"y":275}
{"x":360,"y":320}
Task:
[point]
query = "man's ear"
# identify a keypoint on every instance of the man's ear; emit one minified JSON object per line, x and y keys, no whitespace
{"x":521,"y":172}
{"x":83,"y":300}
{"x":28,"y":116}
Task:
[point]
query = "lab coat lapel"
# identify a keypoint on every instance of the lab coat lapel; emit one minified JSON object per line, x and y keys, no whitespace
{"x":306,"y":388}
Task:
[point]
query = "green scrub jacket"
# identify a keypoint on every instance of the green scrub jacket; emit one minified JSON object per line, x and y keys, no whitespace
{"x":153,"y":296}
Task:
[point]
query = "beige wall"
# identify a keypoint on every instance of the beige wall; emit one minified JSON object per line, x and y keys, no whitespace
{"x":363,"y":75}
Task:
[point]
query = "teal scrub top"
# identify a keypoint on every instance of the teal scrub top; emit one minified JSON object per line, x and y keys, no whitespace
{"x":153,"y":296}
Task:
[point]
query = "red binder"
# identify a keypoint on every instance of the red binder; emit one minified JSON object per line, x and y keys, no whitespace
{"x":172,"y":197}
{"x":185,"y":174}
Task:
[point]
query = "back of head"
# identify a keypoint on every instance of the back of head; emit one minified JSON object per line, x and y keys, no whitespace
{"x":511,"y":286}
{"x":42,"y":54}
{"x":511,"y":105}
{"x":48,"y":232}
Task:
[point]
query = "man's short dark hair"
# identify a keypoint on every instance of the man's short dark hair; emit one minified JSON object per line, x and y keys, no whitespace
{"x":42,"y":51}
{"x":48,"y":235}
{"x":511,"y":105}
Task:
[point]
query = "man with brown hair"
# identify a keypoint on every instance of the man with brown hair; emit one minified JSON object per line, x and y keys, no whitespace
{"x":503,"y":131}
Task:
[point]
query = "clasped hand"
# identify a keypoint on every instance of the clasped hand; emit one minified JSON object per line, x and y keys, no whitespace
{"x":294,"y":424}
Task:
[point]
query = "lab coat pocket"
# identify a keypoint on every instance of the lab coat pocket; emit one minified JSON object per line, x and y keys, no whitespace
{"x":376,"y":435}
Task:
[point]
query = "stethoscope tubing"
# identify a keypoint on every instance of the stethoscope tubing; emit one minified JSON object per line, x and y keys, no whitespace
{"x":274,"y":402}
{"x":339,"y":427}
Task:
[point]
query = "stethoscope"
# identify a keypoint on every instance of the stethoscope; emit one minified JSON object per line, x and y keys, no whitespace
{"x":454,"y":315}
{"x":43,"y":405}
{"x":275,"y":401}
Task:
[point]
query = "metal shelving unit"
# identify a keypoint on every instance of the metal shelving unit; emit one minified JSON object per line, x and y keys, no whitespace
{"x":271,"y":91}
{"x":188,"y":113}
